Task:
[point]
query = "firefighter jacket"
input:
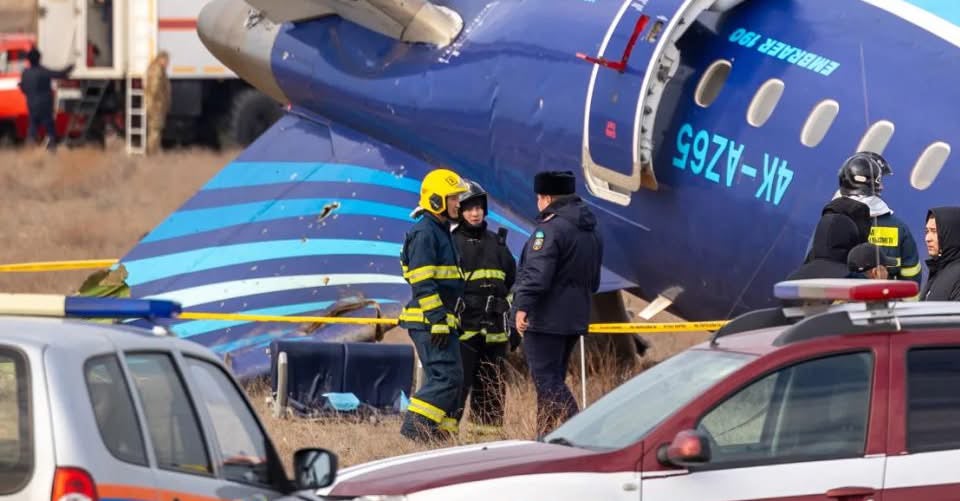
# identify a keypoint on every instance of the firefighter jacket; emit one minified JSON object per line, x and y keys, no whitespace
{"x":895,"y":240}
{"x":488,"y":271}
{"x":559,"y":269}
{"x":430,"y":265}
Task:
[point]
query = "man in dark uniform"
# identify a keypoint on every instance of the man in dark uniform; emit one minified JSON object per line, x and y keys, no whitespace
{"x":430,"y":265}
{"x":489,"y":271}
{"x":860,"y":179}
{"x":559,"y":273}
{"x":35,"y":83}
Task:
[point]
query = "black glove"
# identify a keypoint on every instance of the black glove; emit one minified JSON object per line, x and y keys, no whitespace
{"x":515,"y":340}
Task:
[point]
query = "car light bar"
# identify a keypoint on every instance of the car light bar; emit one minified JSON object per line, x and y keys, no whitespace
{"x":850,"y":289}
{"x":56,"y":305}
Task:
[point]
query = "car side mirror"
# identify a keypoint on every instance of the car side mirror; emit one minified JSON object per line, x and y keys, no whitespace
{"x":689,"y":448}
{"x":314,"y":468}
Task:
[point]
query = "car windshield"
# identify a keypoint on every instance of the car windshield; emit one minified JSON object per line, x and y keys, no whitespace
{"x":626,"y":414}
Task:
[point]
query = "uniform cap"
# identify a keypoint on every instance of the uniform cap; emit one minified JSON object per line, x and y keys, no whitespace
{"x":555,"y":183}
{"x":867,"y":256}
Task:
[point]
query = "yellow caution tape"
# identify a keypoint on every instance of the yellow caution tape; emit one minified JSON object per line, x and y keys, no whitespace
{"x":653,"y":328}
{"x":609,"y":328}
{"x":594,"y":328}
{"x":199,"y":315}
{"x":84,"y":264}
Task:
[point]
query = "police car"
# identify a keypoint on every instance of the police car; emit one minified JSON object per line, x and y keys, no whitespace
{"x":854,"y":395}
{"x":97,"y":411}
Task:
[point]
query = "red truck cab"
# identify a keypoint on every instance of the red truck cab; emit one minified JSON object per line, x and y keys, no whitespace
{"x":13,"y":104}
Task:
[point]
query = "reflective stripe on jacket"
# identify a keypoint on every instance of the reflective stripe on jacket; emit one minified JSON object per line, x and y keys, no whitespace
{"x":430,"y":265}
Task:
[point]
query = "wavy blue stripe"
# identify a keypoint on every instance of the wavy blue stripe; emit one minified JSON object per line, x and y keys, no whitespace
{"x":343,"y":226}
{"x":239,"y":174}
{"x":271,"y":268}
{"x":156,"y":268}
{"x":195,"y":327}
{"x":194,"y":221}
{"x":397,"y":292}
{"x":300,"y":190}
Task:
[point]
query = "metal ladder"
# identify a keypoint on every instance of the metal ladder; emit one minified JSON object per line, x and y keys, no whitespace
{"x":85,"y":113}
{"x":141,"y":40}
{"x":136,"y":117}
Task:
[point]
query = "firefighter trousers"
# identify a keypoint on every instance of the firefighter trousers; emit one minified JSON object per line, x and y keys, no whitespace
{"x":548,"y":356}
{"x":431,"y":410}
{"x":483,"y":364}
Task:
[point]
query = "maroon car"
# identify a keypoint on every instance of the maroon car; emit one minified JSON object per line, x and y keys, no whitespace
{"x":853,"y":396}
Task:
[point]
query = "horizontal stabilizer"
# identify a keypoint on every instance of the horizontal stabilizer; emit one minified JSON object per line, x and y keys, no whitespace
{"x":404,"y":20}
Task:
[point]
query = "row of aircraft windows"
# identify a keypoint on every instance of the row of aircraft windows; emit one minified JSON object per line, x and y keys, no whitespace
{"x":818,"y":123}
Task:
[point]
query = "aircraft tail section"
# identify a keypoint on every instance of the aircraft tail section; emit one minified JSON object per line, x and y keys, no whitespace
{"x":309,"y":221}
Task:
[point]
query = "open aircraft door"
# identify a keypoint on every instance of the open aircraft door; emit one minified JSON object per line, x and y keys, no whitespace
{"x":637,"y":58}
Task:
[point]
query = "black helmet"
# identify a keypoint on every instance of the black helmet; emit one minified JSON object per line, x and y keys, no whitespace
{"x":861,"y":173}
{"x":474,"y":192}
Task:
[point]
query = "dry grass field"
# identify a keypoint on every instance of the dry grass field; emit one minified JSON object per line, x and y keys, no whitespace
{"x":86,"y":204}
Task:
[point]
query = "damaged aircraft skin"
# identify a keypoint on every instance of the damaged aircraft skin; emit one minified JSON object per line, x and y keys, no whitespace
{"x":705,"y":134}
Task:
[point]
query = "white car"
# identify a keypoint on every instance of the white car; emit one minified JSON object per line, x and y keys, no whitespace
{"x":94,"y":411}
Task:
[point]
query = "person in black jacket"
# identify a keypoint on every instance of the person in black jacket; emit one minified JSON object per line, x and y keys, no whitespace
{"x":489,"y":271}
{"x":559,"y":273}
{"x":844,"y":224}
{"x":942,"y":237}
{"x":35,"y":83}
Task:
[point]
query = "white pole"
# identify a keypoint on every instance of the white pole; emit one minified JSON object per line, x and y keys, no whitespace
{"x":583,"y":372}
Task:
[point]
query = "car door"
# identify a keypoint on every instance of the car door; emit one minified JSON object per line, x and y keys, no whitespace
{"x":796,"y":431}
{"x":924,"y":437}
{"x":186,"y":444}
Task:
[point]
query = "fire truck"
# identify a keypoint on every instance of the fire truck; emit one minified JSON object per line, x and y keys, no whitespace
{"x":111,"y":44}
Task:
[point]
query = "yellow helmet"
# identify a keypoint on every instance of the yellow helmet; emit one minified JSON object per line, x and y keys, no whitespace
{"x":437,"y":186}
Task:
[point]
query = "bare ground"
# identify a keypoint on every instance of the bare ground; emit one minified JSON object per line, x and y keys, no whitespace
{"x":91,"y":204}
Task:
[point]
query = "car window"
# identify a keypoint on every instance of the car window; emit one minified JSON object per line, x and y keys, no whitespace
{"x":16,"y":422}
{"x":811,"y":410}
{"x":114,"y":410}
{"x":626,"y":414}
{"x":174,"y":428}
{"x":242,"y":443}
{"x":933,"y":403}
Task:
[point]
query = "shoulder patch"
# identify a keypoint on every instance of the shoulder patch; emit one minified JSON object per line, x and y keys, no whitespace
{"x":538,"y":240}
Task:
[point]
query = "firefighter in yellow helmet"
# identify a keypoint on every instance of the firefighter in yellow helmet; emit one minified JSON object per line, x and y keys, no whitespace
{"x":431,"y":266}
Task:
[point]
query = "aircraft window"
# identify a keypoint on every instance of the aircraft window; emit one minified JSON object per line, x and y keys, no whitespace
{"x":654,"y":33}
{"x":929,"y":165}
{"x":877,"y":137}
{"x":819,"y":122}
{"x":764,"y":102}
{"x":712,"y":82}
